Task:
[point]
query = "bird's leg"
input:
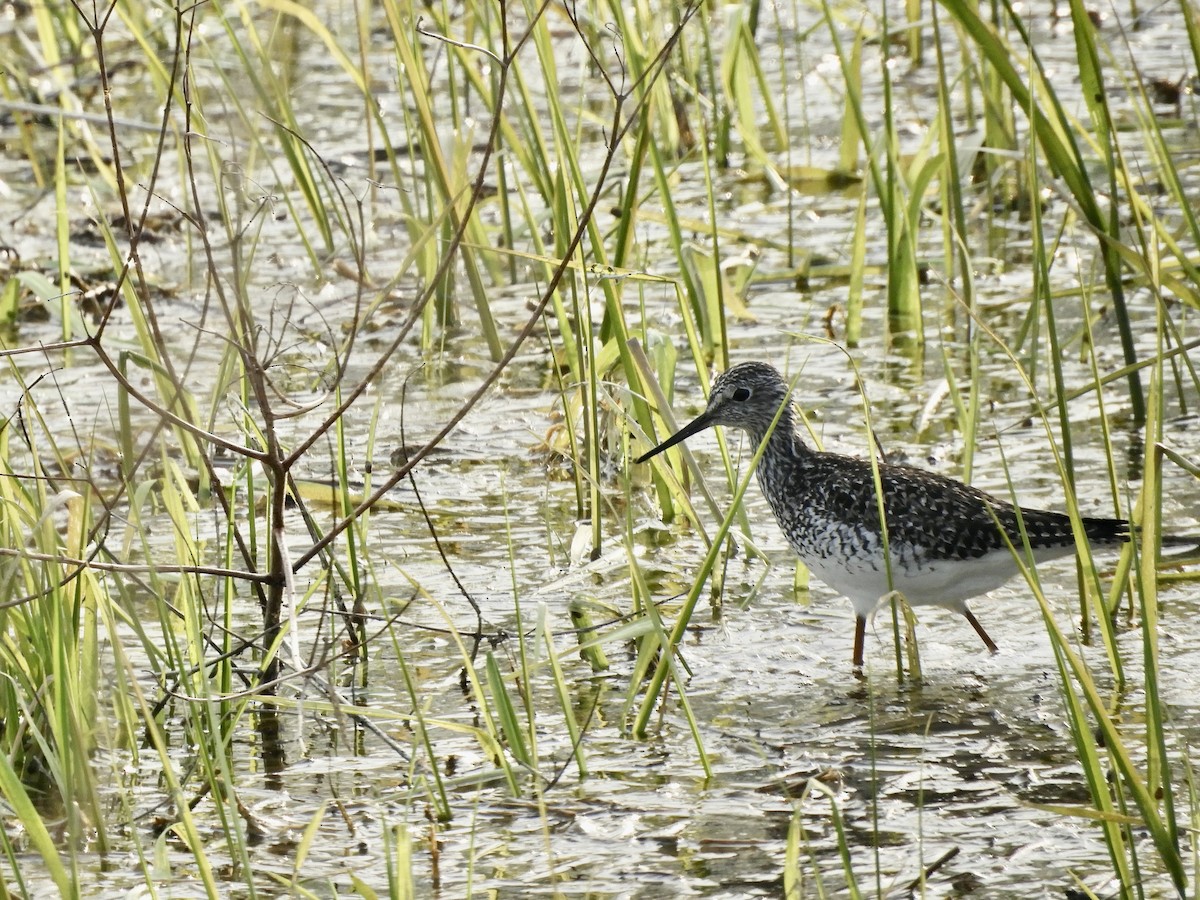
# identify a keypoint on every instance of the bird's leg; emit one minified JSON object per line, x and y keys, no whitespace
{"x":860,"y":633}
{"x":970,"y":617}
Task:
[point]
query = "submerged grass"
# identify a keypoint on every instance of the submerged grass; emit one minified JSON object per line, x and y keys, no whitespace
{"x":172,"y":582}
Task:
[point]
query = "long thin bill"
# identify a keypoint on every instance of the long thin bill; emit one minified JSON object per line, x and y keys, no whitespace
{"x":699,"y":423}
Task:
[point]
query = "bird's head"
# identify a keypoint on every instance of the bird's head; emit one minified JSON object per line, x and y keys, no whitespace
{"x":748,"y":396}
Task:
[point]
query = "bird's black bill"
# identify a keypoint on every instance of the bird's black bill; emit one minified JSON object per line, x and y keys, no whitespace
{"x":699,"y":423}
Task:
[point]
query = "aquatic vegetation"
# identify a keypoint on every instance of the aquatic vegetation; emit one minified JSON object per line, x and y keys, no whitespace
{"x":331,"y":332}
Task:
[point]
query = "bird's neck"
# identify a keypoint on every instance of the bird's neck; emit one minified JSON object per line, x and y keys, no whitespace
{"x":785,"y":440}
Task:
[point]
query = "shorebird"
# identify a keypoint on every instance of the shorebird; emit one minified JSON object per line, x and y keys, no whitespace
{"x":947,"y":541}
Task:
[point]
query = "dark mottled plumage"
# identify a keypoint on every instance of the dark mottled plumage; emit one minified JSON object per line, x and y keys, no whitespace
{"x":944,"y":543}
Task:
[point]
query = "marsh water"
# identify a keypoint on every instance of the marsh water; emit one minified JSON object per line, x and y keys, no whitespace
{"x":969,"y":773}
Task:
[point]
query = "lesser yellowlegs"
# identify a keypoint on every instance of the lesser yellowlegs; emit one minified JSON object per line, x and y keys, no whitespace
{"x":946,"y":539}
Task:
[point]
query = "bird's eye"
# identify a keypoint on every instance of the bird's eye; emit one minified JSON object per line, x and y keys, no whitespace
{"x":741,"y":394}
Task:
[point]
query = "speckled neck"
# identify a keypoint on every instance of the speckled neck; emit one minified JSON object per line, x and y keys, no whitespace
{"x":786,"y":443}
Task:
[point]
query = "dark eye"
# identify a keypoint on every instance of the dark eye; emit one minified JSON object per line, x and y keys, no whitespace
{"x":741,"y":394}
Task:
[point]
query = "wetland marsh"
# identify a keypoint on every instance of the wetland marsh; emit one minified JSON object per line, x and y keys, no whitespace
{"x":328,"y":349}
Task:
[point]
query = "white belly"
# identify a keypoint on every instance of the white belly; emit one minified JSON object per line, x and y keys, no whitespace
{"x":947,"y":583}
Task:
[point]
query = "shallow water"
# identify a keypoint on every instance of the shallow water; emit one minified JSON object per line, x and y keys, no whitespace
{"x":977,"y":758}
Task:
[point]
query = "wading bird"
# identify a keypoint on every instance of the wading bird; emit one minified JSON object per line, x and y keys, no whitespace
{"x":947,"y":541}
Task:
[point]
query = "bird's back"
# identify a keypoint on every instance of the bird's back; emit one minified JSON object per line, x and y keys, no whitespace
{"x":826,"y":504}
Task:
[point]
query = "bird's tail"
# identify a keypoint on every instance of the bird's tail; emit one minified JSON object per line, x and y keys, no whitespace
{"x":1106,"y":531}
{"x":1117,"y":531}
